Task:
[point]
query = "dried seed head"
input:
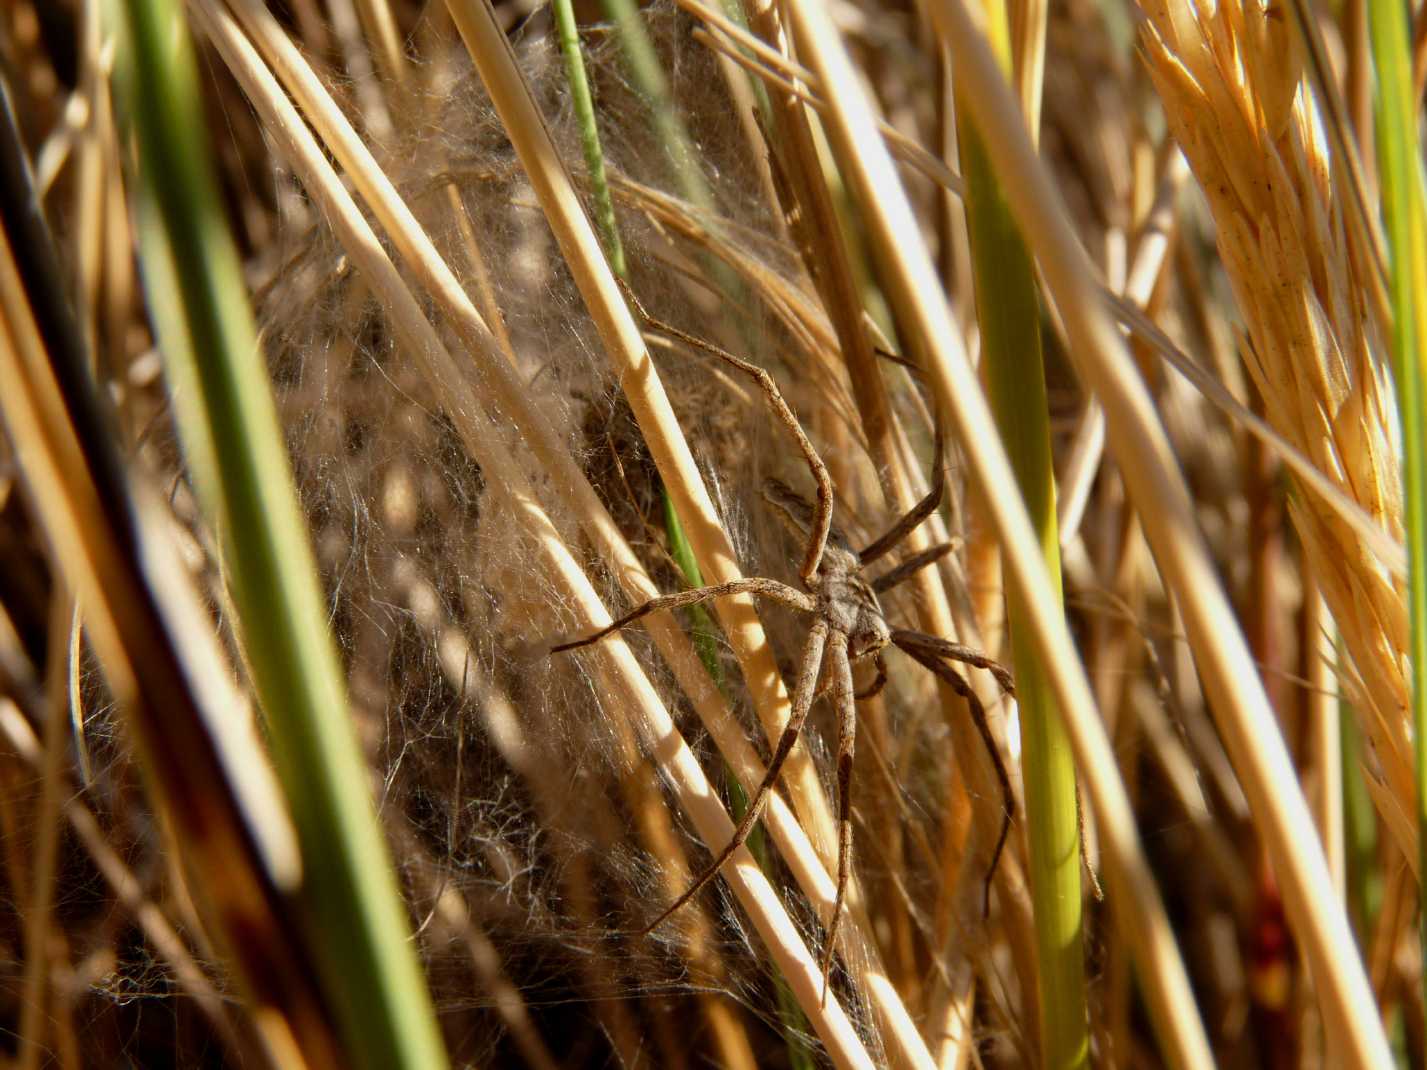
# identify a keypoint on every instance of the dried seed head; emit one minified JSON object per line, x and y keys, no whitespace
{"x":1275,"y":58}
{"x":1228,"y":78}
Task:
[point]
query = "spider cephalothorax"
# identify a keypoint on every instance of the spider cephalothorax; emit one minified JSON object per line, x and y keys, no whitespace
{"x":846,"y":599}
{"x":847,"y":625}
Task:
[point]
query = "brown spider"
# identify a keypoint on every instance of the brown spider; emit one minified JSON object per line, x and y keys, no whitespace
{"x":847,"y":625}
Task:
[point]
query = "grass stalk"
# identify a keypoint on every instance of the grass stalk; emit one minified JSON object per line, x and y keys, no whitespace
{"x":1400,"y":173}
{"x":1008,"y":311}
{"x":584,"y":104}
{"x":36,"y":1015}
{"x":351,"y":903}
{"x":648,"y":75}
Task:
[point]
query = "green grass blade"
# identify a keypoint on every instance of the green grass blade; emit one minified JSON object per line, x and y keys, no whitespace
{"x":1400,"y":167}
{"x":1009,"y":314}
{"x":648,"y":76}
{"x":584,"y":104}
{"x":350,"y":901}
{"x":1360,"y":835}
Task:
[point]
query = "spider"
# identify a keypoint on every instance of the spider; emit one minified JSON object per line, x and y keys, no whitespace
{"x":848,"y":626}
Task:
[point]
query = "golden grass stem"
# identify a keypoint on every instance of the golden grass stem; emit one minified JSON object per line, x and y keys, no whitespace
{"x":358,"y":60}
{"x":380,"y":26}
{"x":1325,"y":731}
{"x":1027,"y":32}
{"x":39,"y":915}
{"x":1088,"y":443}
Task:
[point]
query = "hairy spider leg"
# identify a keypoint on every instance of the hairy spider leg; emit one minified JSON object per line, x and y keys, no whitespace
{"x":822,"y":519}
{"x":878,"y":683}
{"x":756,"y":585}
{"x":912,"y":565}
{"x":978,"y":715}
{"x":808,"y":671}
{"x":945,"y":648}
{"x":919,"y":512}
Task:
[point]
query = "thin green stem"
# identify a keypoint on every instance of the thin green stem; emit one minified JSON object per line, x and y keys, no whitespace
{"x":648,"y":76}
{"x":1399,"y":163}
{"x":705,"y":634}
{"x":348,"y":898}
{"x":1009,"y":314}
{"x":589,"y":133}
{"x":1360,"y":835}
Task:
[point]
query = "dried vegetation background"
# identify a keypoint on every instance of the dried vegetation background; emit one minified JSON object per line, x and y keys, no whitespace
{"x":533,"y":835}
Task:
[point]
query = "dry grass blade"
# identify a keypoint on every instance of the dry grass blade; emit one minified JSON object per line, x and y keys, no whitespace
{"x":205,"y":761}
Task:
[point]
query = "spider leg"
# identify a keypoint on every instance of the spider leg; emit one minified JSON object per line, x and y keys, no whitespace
{"x":802,"y":702}
{"x":755,"y":585}
{"x":943,"y":648}
{"x":874,"y":688}
{"x":915,"y":563}
{"x":919,"y":512}
{"x":822,"y":517}
{"x":978,"y":714}
{"x":846,"y":739}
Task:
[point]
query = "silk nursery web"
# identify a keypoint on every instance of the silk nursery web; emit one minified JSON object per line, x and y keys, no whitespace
{"x":534,"y":835}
